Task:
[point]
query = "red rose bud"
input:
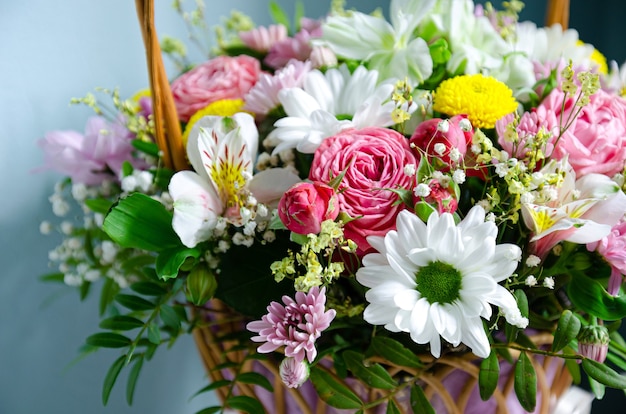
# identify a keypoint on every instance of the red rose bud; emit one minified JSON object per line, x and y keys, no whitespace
{"x":304,"y":207}
{"x":201,"y":285}
{"x":437,"y":137}
{"x":593,"y":342}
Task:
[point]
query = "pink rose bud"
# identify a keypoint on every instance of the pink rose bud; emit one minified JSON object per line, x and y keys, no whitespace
{"x":306,"y":205}
{"x":430,"y":135}
{"x":439,"y":197}
{"x":293,"y":373}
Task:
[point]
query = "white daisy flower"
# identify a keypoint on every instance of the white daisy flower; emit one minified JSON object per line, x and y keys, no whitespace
{"x":328,"y":103}
{"x":439,"y":279}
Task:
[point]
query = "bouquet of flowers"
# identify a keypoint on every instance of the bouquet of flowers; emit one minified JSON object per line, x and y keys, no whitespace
{"x":419,"y":214}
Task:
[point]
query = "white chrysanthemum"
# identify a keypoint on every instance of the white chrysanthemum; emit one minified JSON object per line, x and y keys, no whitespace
{"x":440,"y":279}
{"x":329,"y":103}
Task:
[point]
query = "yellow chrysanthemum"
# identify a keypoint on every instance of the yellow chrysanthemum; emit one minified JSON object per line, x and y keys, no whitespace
{"x":598,"y":58}
{"x":141,"y":94}
{"x":223,"y":107}
{"x":483,"y":99}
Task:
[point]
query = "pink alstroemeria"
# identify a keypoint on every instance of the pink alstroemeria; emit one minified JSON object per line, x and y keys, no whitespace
{"x":296,"y":325}
{"x":222,"y":151}
{"x":613,"y":249}
{"x":262,"y":38}
{"x":583,"y":210}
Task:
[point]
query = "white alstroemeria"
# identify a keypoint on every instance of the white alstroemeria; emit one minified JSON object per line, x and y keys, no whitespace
{"x":615,"y":81}
{"x":222,"y":151}
{"x":583,"y":210}
{"x":440,"y":279}
{"x":328,"y":103}
{"x":391,"y":48}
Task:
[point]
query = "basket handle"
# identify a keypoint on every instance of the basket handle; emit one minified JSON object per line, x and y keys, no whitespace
{"x":166,"y":124}
{"x":558,"y":12}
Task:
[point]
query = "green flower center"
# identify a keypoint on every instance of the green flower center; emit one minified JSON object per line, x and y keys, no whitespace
{"x":439,"y":282}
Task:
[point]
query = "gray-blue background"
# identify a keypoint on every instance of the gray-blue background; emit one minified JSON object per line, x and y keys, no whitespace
{"x":51,"y":51}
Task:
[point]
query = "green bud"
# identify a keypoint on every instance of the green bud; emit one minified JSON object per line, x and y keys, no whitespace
{"x":201,"y":285}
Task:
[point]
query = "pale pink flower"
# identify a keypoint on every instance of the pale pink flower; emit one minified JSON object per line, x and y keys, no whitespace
{"x":304,"y":207}
{"x":223,"y":77}
{"x":297,"y":47}
{"x":373,"y":161}
{"x":293,"y":373}
{"x":92,"y":157}
{"x":263,"y":97}
{"x":263,"y":38}
{"x":613,"y":249}
{"x":529,"y":125}
{"x":596,"y":141}
{"x":296,"y":325}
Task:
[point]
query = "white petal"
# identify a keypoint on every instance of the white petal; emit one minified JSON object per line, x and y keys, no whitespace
{"x":268,"y":186}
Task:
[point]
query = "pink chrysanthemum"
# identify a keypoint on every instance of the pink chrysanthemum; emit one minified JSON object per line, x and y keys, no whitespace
{"x":297,"y":47}
{"x":263,"y":97}
{"x":263,"y":38}
{"x":295,"y":325}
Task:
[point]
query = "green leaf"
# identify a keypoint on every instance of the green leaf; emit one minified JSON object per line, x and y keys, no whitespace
{"x":603,"y":374}
{"x":566,"y":330}
{"x":107,"y":294}
{"x":127,"y":169}
{"x":424,"y":210}
{"x":256,"y":379}
{"x":522,"y":302}
{"x":132,"y":379}
{"x":148,"y":289}
{"x":134,"y":302}
{"x":169,"y":317}
{"x":572,"y":365}
{"x":597,"y":388}
{"x":169,"y":261}
{"x":149,"y":148}
{"x":419,"y":402}
{"x":278,"y":15}
{"x":373,"y":375}
{"x":53,"y":277}
{"x":246,"y":404}
{"x":394,"y":352}
{"x":488,"y":375}
{"x":212,"y":386}
{"x":111,"y":377}
{"x":525,"y":384}
{"x":590,"y":296}
{"x":108,"y":340}
{"x":154,"y":334}
{"x":211,"y":410}
{"x":333,"y":391}
{"x":121,"y":323}
{"x":141,"y":222}
{"x":99,"y":205}
{"x":392,"y":408}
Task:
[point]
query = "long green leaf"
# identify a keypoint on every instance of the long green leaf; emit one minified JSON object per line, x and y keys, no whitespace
{"x":525,"y":384}
{"x":121,"y":323}
{"x":169,"y":317}
{"x":212,"y":386}
{"x":141,"y":222}
{"x":334,"y":392}
{"x":107,"y":293}
{"x":111,"y":377}
{"x":132,"y":379}
{"x":604,"y":374}
{"x":566,"y":330}
{"x":488,"y":375}
{"x":154,"y":334}
{"x":148,"y":289}
{"x":395,"y":352}
{"x":108,"y":340}
{"x":53,"y":277}
{"x":99,"y":205}
{"x":256,"y":379}
{"x":246,"y":404}
{"x":373,"y":375}
{"x":133,"y":302}
{"x":278,"y":15}
{"x":211,"y":410}
{"x":597,"y":388}
{"x":419,"y":402}
{"x":392,"y":408}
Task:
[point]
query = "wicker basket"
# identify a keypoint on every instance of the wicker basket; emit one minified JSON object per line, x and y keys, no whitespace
{"x":552,"y":378}
{"x":437,"y":380}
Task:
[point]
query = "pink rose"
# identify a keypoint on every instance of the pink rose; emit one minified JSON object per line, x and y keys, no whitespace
{"x":92,"y":157}
{"x":596,"y":142}
{"x":439,"y":197}
{"x":373,"y":160}
{"x":223,"y":77}
{"x":305,"y":206}
{"x":438,"y":131}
